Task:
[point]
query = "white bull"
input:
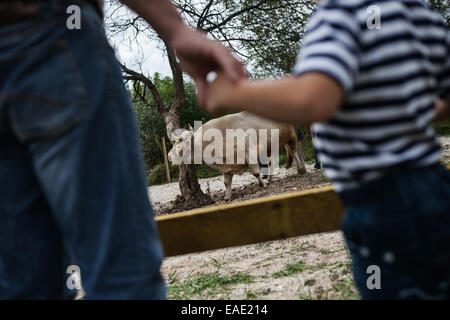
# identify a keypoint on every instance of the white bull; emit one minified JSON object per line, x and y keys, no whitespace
{"x":237,"y":148}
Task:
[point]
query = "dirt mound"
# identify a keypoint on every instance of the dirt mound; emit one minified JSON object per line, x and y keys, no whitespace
{"x":291,"y":183}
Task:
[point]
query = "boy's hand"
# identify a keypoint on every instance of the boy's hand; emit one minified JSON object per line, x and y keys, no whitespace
{"x":218,"y":95}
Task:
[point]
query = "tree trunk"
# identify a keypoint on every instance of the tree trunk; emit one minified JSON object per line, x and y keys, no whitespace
{"x":188,"y":181}
{"x":189,"y":186}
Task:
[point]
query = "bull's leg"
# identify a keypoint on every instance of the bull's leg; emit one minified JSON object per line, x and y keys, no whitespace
{"x":256,"y":171}
{"x":301,"y":168}
{"x":227,"y":179}
{"x":270,"y":170}
{"x":264,"y":170}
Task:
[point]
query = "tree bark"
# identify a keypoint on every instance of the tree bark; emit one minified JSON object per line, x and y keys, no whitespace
{"x":189,"y":186}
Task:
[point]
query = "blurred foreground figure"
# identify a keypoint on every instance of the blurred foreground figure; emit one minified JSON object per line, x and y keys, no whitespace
{"x":72,"y":178}
{"x":372,"y":86}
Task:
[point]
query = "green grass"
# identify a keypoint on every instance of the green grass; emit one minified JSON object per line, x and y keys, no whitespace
{"x":303,"y":247}
{"x":291,"y":269}
{"x":346,"y":290}
{"x":210,"y":284}
{"x":442,"y":128}
{"x":250,"y":295}
{"x":326,"y":252}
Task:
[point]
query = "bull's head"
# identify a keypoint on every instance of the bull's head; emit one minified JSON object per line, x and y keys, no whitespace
{"x":182,"y":149}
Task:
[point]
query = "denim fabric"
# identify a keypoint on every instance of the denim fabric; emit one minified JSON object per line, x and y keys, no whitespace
{"x":401,"y":223}
{"x":72,"y":177}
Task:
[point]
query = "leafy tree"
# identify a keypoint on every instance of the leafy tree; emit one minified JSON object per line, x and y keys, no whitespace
{"x":221,"y":19}
{"x":443,"y":6}
{"x":151,"y":126}
{"x":263,"y":33}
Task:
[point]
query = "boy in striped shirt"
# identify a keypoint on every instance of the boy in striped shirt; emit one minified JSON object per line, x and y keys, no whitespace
{"x":372,"y":92}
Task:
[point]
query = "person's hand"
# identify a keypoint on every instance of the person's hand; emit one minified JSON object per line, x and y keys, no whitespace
{"x":199,"y":56}
{"x":218,"y":95}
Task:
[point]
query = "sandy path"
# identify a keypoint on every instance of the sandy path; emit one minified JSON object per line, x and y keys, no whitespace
{"x":309,"y":267}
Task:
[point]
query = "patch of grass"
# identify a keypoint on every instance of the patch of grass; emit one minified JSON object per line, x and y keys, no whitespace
{"x":308,"y":296}
{"x":218,"y":263}
{"x":346,"y":290}
{"x":323,"y":179}
{"x":276,"y":256}
{"x":290,"y":269}
{"x":172,"y":277}
{"x":250,"y":295}
{"x":319,"y":295}
{"x":442,"y":128}
{"x":303,"y":246}
{"x":320,"y":266}
{"x":210,"y":284}
{"x":326,"y":252}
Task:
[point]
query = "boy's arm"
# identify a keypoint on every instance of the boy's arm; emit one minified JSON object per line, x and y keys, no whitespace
{"x":198,"y":55}
{"x":325,"y":73}
{"x":311,"y":97}
{"x":442,"y":110}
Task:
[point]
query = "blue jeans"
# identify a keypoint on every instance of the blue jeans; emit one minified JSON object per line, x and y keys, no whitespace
{"x":72,"y":177}
{"x":400,"y":223}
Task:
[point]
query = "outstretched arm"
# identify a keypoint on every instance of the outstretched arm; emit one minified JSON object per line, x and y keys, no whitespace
{"x":160,"y":14}
{"x":302,"y":100}
{"x":198,"y":55}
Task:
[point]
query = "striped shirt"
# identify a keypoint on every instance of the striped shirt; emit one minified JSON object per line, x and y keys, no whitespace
{"x":391,"y":72}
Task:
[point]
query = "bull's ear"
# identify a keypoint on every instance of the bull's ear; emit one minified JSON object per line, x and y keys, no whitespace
{"x":190,"y":127}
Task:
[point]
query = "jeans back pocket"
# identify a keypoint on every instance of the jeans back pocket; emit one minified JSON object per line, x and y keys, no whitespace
{"x":48,"y":97}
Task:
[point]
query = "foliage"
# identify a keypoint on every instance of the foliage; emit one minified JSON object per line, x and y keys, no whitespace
{"x":443,"y":6}
{"x":442,"y":128}
{"x":264,"y":33}
{"x":157,"y":174}
{"x":150,"y":124}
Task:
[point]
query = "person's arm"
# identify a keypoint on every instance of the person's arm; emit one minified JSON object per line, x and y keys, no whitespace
{"x":324,"y":74}
{"x":311,"y":97}
{"x":161,"y":15}
{"x":442,"y":110}
{"x":198,"y":55}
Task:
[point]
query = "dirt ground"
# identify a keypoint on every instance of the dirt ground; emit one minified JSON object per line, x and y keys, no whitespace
{"x":308,"y":267}
{"x":248,"y":188}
